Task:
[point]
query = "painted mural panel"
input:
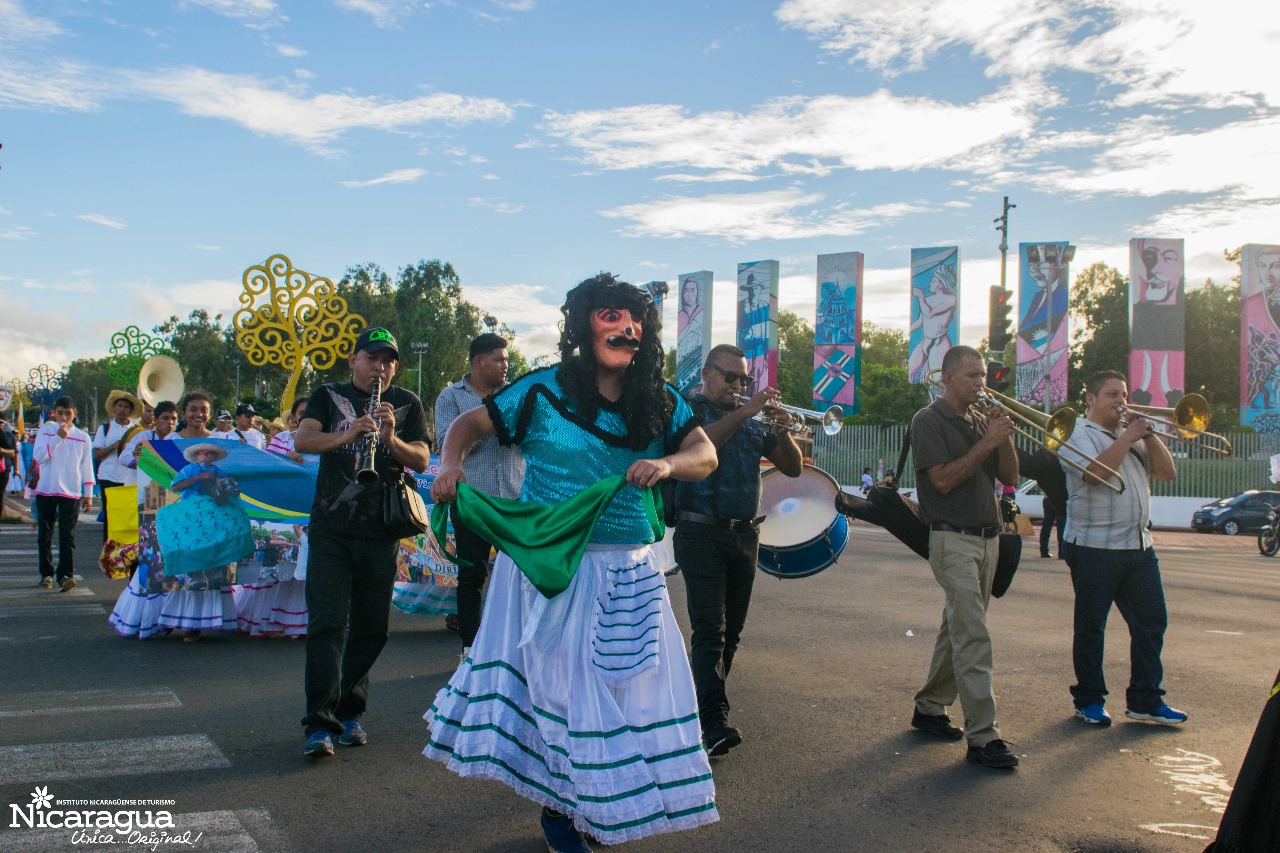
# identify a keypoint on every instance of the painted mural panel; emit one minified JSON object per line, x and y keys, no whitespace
{"x":693,"y":328}
{"x":1044,"y":293}
{"x":758,"y":320}
{"x":1157,"y":322}
{"x":1260,"y":337}
{"x":837,"y":332}
{"x":935,"y":304}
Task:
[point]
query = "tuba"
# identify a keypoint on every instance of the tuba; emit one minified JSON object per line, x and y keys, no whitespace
{"x":160,"y":379}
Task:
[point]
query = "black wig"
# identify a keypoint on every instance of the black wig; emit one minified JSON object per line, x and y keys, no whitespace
{"x":644,"y":405}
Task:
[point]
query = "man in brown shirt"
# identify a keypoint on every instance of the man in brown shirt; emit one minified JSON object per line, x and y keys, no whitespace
{"x":958,"y":459}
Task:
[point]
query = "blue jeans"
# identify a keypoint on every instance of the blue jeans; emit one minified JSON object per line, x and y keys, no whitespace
{"x":1130,"y":579}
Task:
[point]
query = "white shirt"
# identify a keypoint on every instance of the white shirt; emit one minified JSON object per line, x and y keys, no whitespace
{"x":129,"y":456}
{"x":282,"y":443}
{"x":1096,"y":516}
{"x":110,"y":468}
{"x":66,"y":464}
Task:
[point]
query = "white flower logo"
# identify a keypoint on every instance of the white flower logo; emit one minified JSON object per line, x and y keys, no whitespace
{"x":42,"y":798}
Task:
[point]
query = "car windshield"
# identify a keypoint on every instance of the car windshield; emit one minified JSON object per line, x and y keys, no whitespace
{"x":1239,"y":499}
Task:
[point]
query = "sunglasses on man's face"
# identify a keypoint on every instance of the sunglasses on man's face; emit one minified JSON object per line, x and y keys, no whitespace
{"x":731,"y":377}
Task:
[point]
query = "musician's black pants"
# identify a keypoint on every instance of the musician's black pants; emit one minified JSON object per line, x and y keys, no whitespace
{"x":719,"y":567}
{"x":65,"y":512}
{"x":349,"y":583}
{"x":473,"y":549}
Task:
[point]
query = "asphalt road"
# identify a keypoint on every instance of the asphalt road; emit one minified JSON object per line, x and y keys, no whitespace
{"x":822,"y":689}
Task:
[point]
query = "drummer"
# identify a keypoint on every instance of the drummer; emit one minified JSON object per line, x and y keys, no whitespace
{"x":717,"y":531}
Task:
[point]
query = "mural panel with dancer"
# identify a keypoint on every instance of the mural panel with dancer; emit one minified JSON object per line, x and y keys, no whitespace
{"x":935,"y":302}
{"x":1260,"y":337}
{"x":837,"y":333}
{"x":758,"y":320}
{"x":693,"y":328}
{"x":1044,"y":293}
{"x":1157,"y":322}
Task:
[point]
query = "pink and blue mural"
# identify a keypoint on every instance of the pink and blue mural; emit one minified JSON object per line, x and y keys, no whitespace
{"x":837,"y":332}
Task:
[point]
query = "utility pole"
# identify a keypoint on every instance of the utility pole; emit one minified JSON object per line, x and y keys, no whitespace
{"x":1002,"y":225}
{"x":420,"y":348}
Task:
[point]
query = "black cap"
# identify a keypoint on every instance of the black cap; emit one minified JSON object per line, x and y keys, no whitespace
{"x":376,"y":339}
{"x":224,"y":415}
{"x":245,"y":409}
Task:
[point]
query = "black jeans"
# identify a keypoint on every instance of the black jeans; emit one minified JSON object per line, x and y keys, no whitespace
{"x":349,"y":583}
{"x":719,"y":568}
{"x":474,"y":549}
{"x":66,"y":512}
{"x":1130,"y":579}
{"x":103,"y":485}
{"x":1052,"y":518}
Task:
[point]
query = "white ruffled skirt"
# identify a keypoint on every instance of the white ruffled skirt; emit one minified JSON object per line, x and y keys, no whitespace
{"x":136,"y":613}
{"x":253,"y":606}
{"x":584,"y":702}
{"x":199,"y":610}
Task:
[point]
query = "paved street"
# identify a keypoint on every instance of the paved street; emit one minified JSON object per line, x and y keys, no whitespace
{"x":822,"y":691}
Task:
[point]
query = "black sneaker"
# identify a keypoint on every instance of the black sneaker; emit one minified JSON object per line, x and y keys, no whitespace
{"x":721,"y":739}
{"x":561,"y":835}
{"x":938,"y":725}
{"x":993,"y":754}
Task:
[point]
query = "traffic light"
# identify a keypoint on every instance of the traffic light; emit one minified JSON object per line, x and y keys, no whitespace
{"x":998,"y":331}
{"x":997,"y":376}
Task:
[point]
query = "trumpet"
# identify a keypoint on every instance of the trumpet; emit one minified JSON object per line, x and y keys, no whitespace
{"x":368,"y":473}
{"x":1188,"y":420}
{"x":832,"y":419}
{"x":1054,"y":430}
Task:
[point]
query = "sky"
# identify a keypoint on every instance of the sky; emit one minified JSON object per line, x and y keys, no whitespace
{"x":153,"y":151}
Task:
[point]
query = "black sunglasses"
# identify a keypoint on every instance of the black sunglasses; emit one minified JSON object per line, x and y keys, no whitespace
{"x":732,"y":377}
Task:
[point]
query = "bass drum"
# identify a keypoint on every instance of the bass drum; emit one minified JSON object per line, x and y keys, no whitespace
{"x":802,"y":533}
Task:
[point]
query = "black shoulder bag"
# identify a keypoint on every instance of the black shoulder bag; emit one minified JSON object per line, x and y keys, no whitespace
{"x":404,"y":513}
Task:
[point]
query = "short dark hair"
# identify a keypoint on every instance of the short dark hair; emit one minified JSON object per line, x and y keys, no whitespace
{"x":1096,"y":380}
{"x":956,"y":354}
{"x":190,"y":396}
{"x":165,"y":406}
{"x":486,"y":343}
{"x":301,"y":401}
{"x":65,"y":402}
{"x":723,"y":349}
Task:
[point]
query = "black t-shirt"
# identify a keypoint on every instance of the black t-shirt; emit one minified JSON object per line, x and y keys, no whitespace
{"x":7,"y":442}
{"x":344,"y":507}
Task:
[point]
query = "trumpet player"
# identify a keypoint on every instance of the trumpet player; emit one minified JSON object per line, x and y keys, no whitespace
{"x":958,"y":457}
{"x":351,"y":564}
{"x":1109,"y":551}
{"x":717,"y":538}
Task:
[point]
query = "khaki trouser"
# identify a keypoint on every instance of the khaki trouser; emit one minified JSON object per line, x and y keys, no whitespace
{"x":964,"y":567}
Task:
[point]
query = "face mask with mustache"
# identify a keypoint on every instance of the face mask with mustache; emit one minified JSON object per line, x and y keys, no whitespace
{"x":616,"y":335}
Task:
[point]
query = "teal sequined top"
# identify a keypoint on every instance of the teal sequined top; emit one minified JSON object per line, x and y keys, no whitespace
{"x":564,"y":453}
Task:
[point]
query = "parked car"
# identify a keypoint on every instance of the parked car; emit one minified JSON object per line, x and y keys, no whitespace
{"x":1244,"y":513}
{"x":1030,"y":500}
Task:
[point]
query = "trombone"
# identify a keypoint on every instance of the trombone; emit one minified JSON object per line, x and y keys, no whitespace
{"x":1188,"y":419}
{"x":832,"y":419}
{"x":1054,"y":430}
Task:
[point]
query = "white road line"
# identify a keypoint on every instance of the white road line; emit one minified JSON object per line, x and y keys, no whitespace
{"x":86,"y":701}
{"x":238,"y":831}
{"x":37,"y":592}
{"x":29,"y":579}
{"x":1228,"y":633}
{"x":54,"y":610}
{"x":13,"y":552}
{"x":52,"y":762}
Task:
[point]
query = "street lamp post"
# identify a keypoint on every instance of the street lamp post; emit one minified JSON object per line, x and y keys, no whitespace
{"x":420,"y":347}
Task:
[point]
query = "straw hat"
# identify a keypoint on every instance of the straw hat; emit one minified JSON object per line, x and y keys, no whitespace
{"x":190,"y":453}
{"x":277,"y":424}
{"x":135,"y":405}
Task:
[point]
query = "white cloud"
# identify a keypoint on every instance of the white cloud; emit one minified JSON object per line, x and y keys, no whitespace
{"x":397,"y":176}
{"x":743,"y":217}
{"x":100,"y":219}
{"x":533,"y":311}
{"x":385,"y":13}
{"x":496,"y":205}
{"x":16,"y":232}
{"x":798,"y":135}
{"x":206,"y":248}
{"x":290,"y":51}
{"x":22,"y":26}
{"x":516,"y":5}
{"x":260,"y":11}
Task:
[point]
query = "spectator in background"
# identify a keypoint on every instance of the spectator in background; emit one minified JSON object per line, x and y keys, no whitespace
{"x":8,"y":459}
{"x":245,"y":430}
{"x":1052,"y":518}
{"x":867,"y":480}
{"x":65,"y":457}
{"x":223,"y":427}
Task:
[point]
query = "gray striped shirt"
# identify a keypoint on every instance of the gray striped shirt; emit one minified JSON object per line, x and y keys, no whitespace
{"x":493,"y":469}
{"x":1096,"y":516}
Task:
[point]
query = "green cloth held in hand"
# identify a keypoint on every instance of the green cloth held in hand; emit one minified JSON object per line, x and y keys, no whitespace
{"x":545,"y":541}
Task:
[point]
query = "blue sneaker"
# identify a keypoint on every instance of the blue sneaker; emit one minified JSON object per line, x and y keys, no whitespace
{"x":562,"y":836}
{"x":1094,"y":715}
{"x":1163,"y":715}
{"x":353,"y":734}
{"x":318,"y":744}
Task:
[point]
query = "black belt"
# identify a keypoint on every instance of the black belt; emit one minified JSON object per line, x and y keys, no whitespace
{"x":739,"y":524}
{"x":984,"y":532}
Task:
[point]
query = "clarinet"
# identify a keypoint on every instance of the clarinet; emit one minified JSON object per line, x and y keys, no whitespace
{"x":368,"y":474}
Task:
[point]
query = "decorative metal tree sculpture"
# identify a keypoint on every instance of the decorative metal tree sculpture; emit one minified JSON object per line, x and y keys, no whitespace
{"x":288,"y":317}
{"x":130,"y":348}
{"x":43,"y":386}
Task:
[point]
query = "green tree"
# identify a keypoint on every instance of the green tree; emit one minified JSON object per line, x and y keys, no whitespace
{"x":888,"y":395}
{"x":1213,"y":349}
{"x":795,"y":360}
{"x":883,"y":346}
{"x":88,"y":382}
{"x":1100,"y":308}
{"x":200,"y":345}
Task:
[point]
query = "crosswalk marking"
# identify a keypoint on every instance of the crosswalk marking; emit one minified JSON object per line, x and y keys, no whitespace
{"x":238,"y":831}
{"x":13,"y":580}
{"x":52,"y":610}
{"x":22,"y":552}
{"x":51,"y":762}
{"x":38,"y":592}
{"x":85,"y":701}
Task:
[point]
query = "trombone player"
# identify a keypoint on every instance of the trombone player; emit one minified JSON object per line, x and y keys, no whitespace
{"x":958,"y":456}
{"x":1108,"y":548}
